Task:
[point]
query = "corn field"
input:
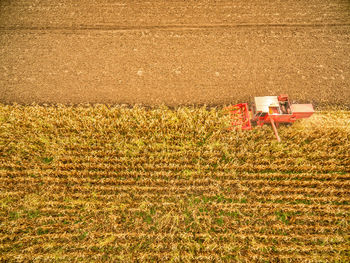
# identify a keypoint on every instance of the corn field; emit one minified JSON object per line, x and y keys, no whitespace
{"x":99,"y":183}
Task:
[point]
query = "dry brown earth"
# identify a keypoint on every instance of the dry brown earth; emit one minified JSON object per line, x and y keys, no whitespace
{"x":181,"y":52}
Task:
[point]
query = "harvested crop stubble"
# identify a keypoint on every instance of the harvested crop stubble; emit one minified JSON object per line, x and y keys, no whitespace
{"x":97,"y":183}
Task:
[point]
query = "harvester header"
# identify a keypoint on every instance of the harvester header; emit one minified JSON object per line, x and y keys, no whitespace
{"x":272,"y":110}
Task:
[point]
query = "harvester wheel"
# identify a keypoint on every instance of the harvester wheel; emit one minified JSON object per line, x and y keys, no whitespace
{"x":254,"y":123}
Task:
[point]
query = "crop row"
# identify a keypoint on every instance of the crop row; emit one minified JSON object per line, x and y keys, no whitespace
{"x":341,"y":184}
{"x":313,"y":195}
{"x":162,"y":242}
{"x":206,"y":168}
{"x":161,"y":249}
{"x":196,"y":178}
{"x":73,"y":203}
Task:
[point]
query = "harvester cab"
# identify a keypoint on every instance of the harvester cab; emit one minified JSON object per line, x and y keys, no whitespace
{"x":272,"y":110}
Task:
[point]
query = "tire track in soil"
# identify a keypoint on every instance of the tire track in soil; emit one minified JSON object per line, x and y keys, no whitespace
{"x":164,"y":27}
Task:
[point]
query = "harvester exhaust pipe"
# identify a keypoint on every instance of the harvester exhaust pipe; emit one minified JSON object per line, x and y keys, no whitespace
{"x":275,"y":130}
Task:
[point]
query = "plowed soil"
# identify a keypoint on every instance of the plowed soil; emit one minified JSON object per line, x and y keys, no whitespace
{"x":178,"y":52}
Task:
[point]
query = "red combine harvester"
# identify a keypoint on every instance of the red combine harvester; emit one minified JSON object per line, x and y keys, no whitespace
{"x":272,"y":110}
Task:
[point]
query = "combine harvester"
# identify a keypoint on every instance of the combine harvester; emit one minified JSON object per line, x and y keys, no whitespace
{"x":272,"y":110}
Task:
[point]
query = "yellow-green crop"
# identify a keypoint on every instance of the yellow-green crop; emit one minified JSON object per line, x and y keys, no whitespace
{"x":98,"y":183}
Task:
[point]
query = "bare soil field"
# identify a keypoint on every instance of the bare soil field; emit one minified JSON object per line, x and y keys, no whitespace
{"x":178,"y":52}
